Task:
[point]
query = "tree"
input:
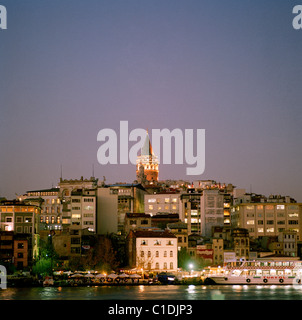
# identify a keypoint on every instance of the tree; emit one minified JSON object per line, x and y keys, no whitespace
{"x":101,"y":255}
{"x":48,"y":258}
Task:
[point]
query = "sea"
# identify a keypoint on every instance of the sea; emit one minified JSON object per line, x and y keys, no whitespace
{"x":156,"y":292}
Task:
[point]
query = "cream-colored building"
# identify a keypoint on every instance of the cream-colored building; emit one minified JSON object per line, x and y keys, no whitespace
{"x":268,"y":218}
{"x":152,"y":250}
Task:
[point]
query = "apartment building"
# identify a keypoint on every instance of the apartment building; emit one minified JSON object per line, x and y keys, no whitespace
{"x":268,"y":218}
{"x":136,"y":221}
{"x":130,"y":198}
{"x":162,"y":202}
{"x":51,"y":207}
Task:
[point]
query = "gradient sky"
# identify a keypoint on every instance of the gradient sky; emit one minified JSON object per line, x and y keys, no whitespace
{"x":71,"y":68}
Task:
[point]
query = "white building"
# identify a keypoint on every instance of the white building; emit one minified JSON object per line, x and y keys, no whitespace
{"x":152,"y":250}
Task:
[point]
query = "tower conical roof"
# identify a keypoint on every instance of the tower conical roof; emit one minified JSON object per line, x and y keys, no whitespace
{"x":147,"y":150}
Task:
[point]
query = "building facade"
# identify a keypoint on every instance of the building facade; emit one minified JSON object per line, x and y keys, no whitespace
{"x":267,"y":218}
{"x":162,"y":202}
{"x":152,"y":250}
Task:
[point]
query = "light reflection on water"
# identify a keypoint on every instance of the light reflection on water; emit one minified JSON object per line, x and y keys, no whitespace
{"x":169,"y":292}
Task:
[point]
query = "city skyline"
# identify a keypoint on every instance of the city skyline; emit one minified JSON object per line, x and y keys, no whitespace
{"x":70,"y":70}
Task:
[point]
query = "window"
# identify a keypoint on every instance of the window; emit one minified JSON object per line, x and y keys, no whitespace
{"x":171,"y":265}
{"x":149,"y":254}
{"x":270,"y":222}
{"x":142,"y":254}
{"x":150,"y":207}
{"x":250,"y":222}
{"x":169,"y":243}
{"x":157,"y":243}
{"x":167,"y":200}
{"x":152,"y":200}
{"x":144,"y":242}
{"x":171,"y":254}
{"x":20,"y":245}
{"x":19,"y":219}
{"x":165,"y":265}
{"x":157,"y":254}
{"x":156,"y":265}
{"x":76,"y":240}
{"x":165,"y":254}
{"x":280,"y":206}
{"x":270,"y":230}
{"x":260,"y":222}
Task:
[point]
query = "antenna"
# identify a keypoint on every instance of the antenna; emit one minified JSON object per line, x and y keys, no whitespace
{"x":93,"y":170}
{"x":61,"y":173}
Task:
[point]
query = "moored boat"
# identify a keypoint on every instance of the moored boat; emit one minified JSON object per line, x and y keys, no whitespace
{"x":259,"y":272}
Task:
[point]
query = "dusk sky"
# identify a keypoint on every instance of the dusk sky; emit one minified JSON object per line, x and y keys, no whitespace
{"x":69,"y":68}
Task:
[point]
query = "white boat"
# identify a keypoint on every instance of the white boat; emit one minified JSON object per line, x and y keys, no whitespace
{"x":258,"y":272}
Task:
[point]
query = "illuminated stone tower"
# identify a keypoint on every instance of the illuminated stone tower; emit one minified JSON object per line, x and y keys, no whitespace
{"x":147,"y":164}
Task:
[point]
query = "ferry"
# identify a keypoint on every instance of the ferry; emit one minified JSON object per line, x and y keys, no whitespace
{"x":258,"y":272}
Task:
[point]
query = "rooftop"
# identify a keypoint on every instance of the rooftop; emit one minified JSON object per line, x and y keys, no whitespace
{"x":153,"y":234}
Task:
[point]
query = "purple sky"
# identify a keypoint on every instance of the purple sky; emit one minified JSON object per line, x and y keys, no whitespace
{"x":71,"y":68}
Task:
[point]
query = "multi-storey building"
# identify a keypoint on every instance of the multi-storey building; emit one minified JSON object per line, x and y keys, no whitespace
{"x":83,"y":209}
{"x":190,"y":211}
{"x":78,"y":198}
{"x":180,"y":230}
{"x":51,"y":207}
{"x":136,"y":221}
{"x":211,"y":211}
{"x":22,"y":219}
{"x":162,"y":202}
{"x":152,"y":250}
{"x":241,"y":243}
{"x":268,"y":218}
{"x":130,"y":198}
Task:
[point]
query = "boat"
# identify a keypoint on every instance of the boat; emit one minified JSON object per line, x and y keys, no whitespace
{"x":258,"y":272}
{"x":48,"y":282}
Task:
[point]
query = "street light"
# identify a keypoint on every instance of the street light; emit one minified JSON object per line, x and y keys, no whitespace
{"x":191,"y":266}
